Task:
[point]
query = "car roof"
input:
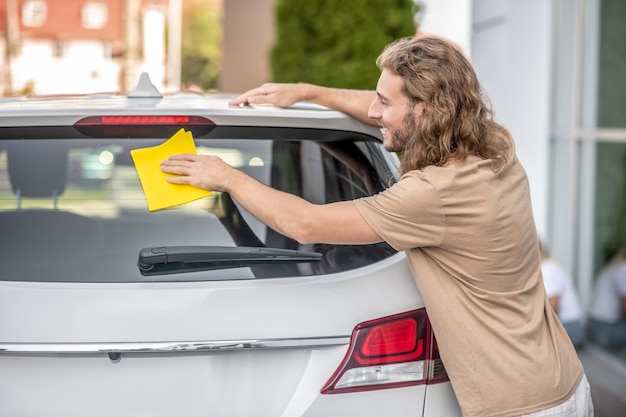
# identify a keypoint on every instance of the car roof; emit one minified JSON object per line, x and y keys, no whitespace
{"x":67,"y":110}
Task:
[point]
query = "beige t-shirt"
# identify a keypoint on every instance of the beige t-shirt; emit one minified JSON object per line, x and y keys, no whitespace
{"x":471,"y":241}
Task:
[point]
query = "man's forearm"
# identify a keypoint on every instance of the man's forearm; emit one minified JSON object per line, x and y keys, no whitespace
{"x":297,"y":218}
{"x":283,"y":212}
{"x":355,"y":103}
{"x":339,"y":222}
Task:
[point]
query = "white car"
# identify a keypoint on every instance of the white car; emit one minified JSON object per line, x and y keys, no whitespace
{"x":109,"y":309}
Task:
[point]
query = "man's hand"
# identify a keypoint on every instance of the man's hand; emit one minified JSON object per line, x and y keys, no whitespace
{"x":355,"y":103}
{"x":281,"y":95}
{"x":203,"y":171}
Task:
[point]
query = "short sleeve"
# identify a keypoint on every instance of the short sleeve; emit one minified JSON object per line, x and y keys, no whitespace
{"x":407,"y":215}
{"x":554,"y":278}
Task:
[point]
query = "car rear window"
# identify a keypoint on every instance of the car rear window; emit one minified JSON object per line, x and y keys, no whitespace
{"x":72,"y":209}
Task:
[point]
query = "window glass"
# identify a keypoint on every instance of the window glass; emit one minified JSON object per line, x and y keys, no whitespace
{"x":612,"y":65}
{"x":610,"y":203}
{"x":34,"y":13}
{"x":74,"y":210}
{"x":610,"y":222}
{"x":606,"y":325}
{"x":94,"y":15}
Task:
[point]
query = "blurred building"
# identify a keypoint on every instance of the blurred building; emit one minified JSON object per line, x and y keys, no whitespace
{"x":248,"y":38}
{"x":86,"y":46}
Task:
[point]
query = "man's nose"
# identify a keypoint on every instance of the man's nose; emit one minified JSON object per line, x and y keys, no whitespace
{"x":374,"y":111}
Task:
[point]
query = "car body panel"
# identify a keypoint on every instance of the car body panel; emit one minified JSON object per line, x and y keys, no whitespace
{"x":235,"y":384}
{"x":61,"y":325}
{"x":63,"y":113}
{"x":198,"y":311}
{"x":224,"y":384}
{"x":441,"y":401}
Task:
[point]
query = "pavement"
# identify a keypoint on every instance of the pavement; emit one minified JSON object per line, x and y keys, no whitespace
{"x":606,"y":374}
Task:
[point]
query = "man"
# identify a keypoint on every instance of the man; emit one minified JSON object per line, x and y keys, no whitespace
{"x":461,"y":211}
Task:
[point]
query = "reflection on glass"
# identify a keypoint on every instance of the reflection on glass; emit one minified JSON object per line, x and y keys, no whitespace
{"x":607,"y":315}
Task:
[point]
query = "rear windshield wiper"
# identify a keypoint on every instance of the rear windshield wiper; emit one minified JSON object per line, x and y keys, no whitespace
{"x":179,"y":259}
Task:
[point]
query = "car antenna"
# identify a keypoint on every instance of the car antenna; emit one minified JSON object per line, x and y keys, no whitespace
{"x":145,"y":88}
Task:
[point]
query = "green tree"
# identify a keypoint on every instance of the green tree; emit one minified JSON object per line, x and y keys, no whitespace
{"x":201,"y":50}
{"x":335,"y":43}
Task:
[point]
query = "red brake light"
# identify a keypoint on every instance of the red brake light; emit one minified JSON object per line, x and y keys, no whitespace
{"x":389,"y":352}
{"x":143,"y":120}
{"x":142,"y":125}
{"x":390,"y":342}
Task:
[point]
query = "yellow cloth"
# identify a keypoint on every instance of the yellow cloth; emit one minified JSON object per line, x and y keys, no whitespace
{"x":159,"y":193}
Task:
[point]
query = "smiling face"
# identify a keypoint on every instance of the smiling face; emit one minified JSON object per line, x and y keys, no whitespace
{"x":395,"y":113}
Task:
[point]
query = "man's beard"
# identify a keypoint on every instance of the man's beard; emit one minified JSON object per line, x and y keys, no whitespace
{"x":399,"y":139}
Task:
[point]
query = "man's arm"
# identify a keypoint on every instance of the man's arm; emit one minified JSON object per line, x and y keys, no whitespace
{"x":338,"y":223}
{"x":355,"y":103}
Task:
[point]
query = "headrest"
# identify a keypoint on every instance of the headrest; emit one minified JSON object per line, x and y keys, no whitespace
{"x":38,"y":170}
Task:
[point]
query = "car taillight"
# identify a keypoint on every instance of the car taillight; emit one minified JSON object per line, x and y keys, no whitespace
{"x":138,"y":120}
{"x":389,"y":352}
{"x":142,"y":125}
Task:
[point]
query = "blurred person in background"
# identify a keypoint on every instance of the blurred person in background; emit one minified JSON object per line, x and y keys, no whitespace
{"x":562,"y":295}
{"x":607,"y":316}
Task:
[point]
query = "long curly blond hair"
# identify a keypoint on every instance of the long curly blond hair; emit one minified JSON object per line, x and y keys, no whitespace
{"x":457,"y":121}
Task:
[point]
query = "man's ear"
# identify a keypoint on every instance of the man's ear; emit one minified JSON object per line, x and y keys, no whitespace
{"x":420,"y":108}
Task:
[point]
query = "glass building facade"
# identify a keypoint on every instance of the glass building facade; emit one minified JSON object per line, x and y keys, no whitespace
{"x":587,"y":198}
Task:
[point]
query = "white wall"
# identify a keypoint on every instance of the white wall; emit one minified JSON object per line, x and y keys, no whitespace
{"x":511,"y":52}
{"x":153,"y":40}
{"x":83,"y":68}
{"x":448,"y":18}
